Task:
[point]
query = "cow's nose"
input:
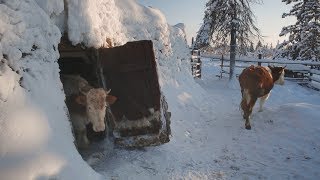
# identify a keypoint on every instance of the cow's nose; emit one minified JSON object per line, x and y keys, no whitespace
{"x":99,"y":128}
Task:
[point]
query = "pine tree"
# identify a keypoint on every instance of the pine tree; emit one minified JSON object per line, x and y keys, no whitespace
{"x":251,"y":49}
{"x":243,"y":50}
{"x":271,"y":46}
{"x":259,"y":45}
{"x":228,"y":21}
{"x":304,"y":35}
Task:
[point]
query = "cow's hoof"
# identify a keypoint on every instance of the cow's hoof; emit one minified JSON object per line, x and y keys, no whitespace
{"x":248,"y":127}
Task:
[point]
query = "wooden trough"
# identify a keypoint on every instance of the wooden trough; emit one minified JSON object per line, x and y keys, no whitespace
{"x":140,"y":116}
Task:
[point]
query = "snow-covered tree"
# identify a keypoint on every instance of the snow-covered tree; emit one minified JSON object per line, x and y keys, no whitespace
{"x":304,"y":35}
{"x":228,"y":21}
{"x":259,"y":45}
{"x":267,"y":51}
{"x":271,"y":46}
{"x":251,"y":48}
{"x":243,"y":50}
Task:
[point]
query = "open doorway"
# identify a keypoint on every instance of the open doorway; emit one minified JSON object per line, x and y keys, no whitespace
{"x":140,"y":115}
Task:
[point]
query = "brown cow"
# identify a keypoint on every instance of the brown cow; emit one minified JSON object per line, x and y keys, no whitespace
{"x":86,"y":104}
{"x":257,"y":82}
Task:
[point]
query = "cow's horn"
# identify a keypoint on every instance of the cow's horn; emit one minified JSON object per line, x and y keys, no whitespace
{"x":108,"y":91}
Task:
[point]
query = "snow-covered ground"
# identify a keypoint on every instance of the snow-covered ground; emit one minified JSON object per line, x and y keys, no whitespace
{"x":209,"y":140}
{"x":208,"y":136}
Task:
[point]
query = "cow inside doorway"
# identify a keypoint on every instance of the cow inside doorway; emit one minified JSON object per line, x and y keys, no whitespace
{"x":139,"y":116}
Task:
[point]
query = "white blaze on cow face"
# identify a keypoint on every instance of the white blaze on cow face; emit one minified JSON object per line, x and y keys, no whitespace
{"x":96,"y":108}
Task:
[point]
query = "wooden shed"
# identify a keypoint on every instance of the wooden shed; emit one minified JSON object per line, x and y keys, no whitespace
{"x":140,"y":116}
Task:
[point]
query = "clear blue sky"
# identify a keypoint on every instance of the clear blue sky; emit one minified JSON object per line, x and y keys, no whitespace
{"x":191,"y":12}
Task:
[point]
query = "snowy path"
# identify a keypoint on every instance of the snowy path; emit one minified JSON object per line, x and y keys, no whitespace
{"x":209,"y":141}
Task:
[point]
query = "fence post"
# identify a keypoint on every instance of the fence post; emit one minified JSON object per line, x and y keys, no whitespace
{"x":259,"y":57}
{"x":221,"y":65}
{"x":310,"y":74}
{"x":196,"y":63}
{"x":198,"y":68}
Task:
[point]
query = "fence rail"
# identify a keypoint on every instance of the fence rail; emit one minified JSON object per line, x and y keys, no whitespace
{"x":306,"y":73}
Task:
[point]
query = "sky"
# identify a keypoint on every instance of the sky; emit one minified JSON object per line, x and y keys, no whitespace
{"x":191,"y":12}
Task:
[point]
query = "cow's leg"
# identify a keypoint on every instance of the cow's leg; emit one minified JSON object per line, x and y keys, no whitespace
{"x":80,"y":130}
{"x":246,"y":113}
{"x":245,"y":105}
{"x":250,"y":107}
{"x":81,"y":138}
{"x":245,"y":102}
{"x":263,"y":100}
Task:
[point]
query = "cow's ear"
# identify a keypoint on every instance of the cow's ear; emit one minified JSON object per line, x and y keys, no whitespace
{"x":81,"y":100}
{"x":111,"y":99}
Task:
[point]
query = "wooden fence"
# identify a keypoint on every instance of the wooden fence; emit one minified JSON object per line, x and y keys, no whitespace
{"x":196,"y":63}
{"x":304,"y":73}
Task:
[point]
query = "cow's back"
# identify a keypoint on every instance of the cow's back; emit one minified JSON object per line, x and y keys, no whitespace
{"x":257,"y":80}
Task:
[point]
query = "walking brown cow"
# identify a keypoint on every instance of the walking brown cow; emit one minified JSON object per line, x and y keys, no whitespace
{"x":257,"y":82}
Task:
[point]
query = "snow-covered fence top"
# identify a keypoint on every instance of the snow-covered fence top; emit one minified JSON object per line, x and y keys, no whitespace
{"x":270,"y":61}
{"x":307,"y":72}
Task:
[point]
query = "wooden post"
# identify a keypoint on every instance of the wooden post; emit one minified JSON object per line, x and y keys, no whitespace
{"x":259,"y":57}
{"x":310,"y":74}
{"x":198,"y":68}
{"x":196,"y":63}
{"x":192,"y":64}
{"x":221,"y":71}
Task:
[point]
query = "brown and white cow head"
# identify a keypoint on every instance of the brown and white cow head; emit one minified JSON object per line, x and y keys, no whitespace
{"x":277,"y":74}
{"x":96,"y":101}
